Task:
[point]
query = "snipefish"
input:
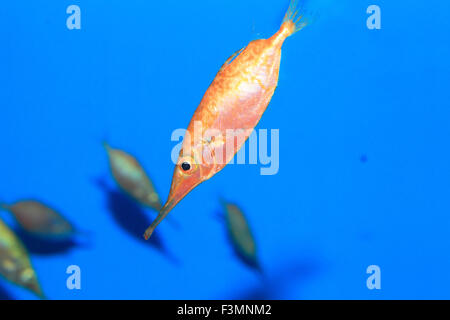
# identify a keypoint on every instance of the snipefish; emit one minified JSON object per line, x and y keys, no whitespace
{"x":228,"y":112}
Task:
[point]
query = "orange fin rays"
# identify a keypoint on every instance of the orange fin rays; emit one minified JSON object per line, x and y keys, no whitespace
{"x":295,"y":18}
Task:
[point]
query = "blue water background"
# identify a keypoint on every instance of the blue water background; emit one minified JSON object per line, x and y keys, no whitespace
{"x":364,"y":122}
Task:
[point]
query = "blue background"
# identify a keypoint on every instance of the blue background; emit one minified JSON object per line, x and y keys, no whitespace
{"x":364,"y":124}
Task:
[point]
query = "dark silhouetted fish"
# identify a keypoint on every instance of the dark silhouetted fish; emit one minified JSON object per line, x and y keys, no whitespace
{"x":4,"y":294}
{"x":132,"y":178}
{"x":15,"y":264}
{"x":39,"y":219}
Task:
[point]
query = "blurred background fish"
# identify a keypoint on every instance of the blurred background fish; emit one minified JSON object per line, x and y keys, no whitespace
{"x":132,"y":178}
{"x":39,"y":219}
{"x":15,"y":264}
{"x":241,"y":235}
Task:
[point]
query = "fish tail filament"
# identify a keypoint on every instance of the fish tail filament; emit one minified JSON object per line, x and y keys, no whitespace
{"x":295,"y":19}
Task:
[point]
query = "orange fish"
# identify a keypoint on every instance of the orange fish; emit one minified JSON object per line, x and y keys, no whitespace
{"x":230,"y":109}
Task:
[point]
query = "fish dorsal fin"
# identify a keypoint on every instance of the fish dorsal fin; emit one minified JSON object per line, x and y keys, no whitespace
{"x":230,"y":59}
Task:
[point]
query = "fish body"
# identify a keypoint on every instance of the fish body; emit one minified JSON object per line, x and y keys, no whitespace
{"x":132,"y":178}
{"x":240,"y":234}
{"x":228,"y":112}
{"x":39,"y":219}
{"x":15,"y":264}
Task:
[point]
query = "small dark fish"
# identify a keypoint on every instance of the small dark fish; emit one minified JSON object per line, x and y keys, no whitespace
{"x":132,"y":178}
{"x":15,"y":264}
{"x":39,"y":219}
{"x":240,"y":234}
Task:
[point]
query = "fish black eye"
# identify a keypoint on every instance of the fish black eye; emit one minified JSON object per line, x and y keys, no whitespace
{"x":185,"y":166}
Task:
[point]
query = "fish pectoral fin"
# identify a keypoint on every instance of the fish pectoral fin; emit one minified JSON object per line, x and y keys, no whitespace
{"x":210,"y":145}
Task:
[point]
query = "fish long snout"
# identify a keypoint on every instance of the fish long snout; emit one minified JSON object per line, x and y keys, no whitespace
{"x":161,"y":215}
{"x":182,"y":184}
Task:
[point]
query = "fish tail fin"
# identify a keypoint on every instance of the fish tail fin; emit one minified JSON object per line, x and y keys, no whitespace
{"x":223,"y":202}
{"x":295,"y":18}
{"x":106,"y":145}
{"x":83,"y":233}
